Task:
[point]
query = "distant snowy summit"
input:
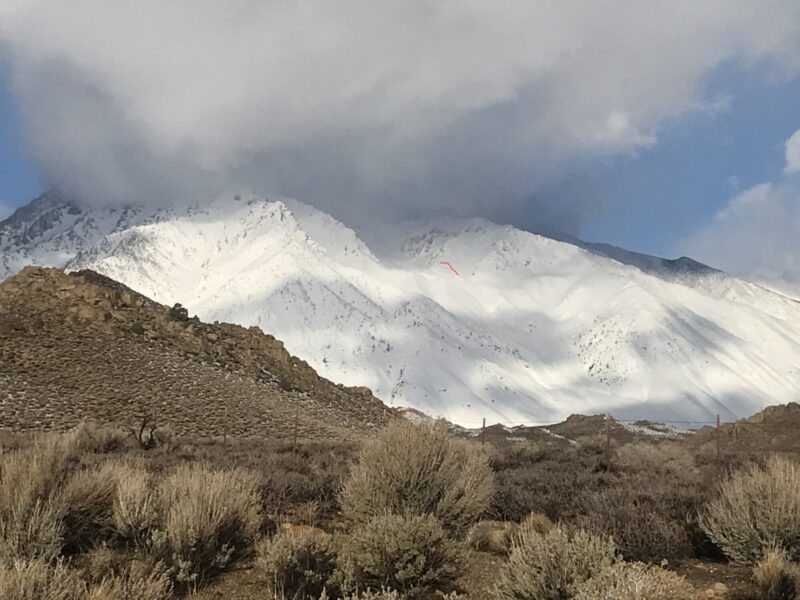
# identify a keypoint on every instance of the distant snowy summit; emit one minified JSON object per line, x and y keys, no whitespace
{"x":527,"y":330}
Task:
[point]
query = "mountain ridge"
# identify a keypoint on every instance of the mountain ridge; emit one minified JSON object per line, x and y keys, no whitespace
{"x":531,"y":329}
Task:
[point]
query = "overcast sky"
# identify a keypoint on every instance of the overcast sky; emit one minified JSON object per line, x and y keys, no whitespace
{"x":665,"y":127}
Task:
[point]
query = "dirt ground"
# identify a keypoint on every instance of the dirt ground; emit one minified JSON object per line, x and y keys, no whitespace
{"x":248,"y":584}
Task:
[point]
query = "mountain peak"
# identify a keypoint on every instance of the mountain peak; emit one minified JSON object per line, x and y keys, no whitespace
{"x":463,"y":319}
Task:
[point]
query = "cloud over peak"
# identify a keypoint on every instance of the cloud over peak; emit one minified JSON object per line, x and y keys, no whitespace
{"x":755,"y":235}
{"x":386,"y":106}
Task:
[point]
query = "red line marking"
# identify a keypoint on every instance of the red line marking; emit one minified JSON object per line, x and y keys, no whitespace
{"x":447,"y":262}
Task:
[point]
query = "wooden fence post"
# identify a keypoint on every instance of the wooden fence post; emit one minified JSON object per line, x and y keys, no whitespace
{"x":483,"y":432}
{"x":719,"y":433}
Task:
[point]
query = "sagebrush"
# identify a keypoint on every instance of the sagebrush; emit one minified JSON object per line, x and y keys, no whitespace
{"x":299,"y":565}
{"x":32,"y":506}
{"x":635,"y":581}
{"x":135,"y":507}
{"x":419,"y":469}
{"x":209,"y":520}
{"x":756,"y":510}
{"x":550,"y":566}
{"x":409,"y":554}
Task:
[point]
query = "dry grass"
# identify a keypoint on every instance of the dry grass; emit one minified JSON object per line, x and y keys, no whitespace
{"x":537,"y":523}
{"x":36,"y":580}
{"x":418,"y":470}
{"x":97,"y":439}
{"x":757,"y":509}
{"x":776,"y":578}
{"x":492,"y":536}
{"x":141,"y":581}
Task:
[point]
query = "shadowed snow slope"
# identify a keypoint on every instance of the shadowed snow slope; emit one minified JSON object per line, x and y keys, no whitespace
{"x":531,"y":328}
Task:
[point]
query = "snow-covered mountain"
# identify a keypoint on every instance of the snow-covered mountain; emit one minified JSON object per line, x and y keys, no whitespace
{"x":524,"y":328}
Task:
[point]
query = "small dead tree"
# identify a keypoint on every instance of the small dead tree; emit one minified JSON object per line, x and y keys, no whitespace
{"x":146,"y":434}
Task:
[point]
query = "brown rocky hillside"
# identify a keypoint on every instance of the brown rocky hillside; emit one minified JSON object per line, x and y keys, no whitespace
{"x":774,"y":429}
{"x":82,"y":346}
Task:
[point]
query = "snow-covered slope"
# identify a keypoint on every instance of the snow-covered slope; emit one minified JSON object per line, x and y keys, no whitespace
{"x":531,"y":328}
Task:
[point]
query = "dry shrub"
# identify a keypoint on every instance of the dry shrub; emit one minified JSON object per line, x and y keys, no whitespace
{"x":537,"y":522}
{"x":36,"y":580}
{"x":97,"y":563}
{"x":409,"y":554}
{"x":86,"y":501}
{"x":757,"y":509}
{"x":657,"y":485}
{"x":545,"y":481}
{"x":97,"y":439}
{"x":662,"y":460}
{"x":30,"y":480}
{"x":776,"y":578}
{"x":649,"y":512}
{"x":644,"y":503}
{"x":117,"y":498}
{"x":637,"y":523}
{"x":135,"y":505}
{"x":30,"y":531}
{"x":114,"y":498}
{"x":635,"y":581}
{"x":419,"y":469}
{"x":496,"y":536}
{"x":491,"y":536}
{"x":210,"y":519}
{"x":298,"y":566}
{"x":546,"y":567}
{"x":46,"y":504}
{"x":142,"y":581}
{"x":665,"y":473}
{"x":295,"y":477}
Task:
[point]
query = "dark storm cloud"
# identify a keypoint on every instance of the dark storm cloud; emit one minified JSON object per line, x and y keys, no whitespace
{"x":385,"y":107}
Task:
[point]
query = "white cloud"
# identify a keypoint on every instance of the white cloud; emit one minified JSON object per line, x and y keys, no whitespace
{"x":755,"y":236}
{"x":451,"y":103}
{"x":793,"y":153}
